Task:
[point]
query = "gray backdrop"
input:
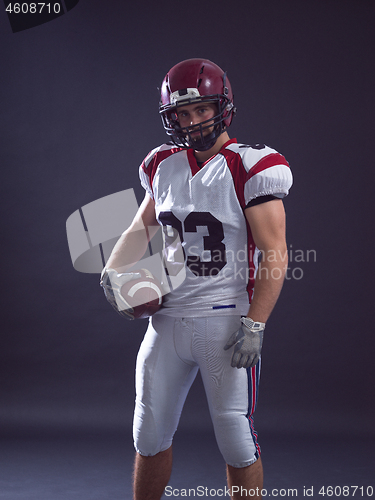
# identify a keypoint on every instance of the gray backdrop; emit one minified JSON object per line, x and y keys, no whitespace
{"x":79,"y":111}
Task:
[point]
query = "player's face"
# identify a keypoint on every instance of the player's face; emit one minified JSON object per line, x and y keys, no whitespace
{"x":193,"y":114}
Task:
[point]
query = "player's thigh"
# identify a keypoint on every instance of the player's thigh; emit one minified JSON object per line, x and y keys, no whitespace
{"x":163,"y":380}
{"x":231,"y":392}
{"x":159,"y":366}
{"x":227,"y":388}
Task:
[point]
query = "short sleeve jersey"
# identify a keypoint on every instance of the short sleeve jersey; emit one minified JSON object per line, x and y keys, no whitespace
{"x":204,"y":206}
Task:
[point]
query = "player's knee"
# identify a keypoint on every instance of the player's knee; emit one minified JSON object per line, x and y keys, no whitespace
{"x":149,"y":439}
{"x":148,"y":446}
{"x":235,"y":439}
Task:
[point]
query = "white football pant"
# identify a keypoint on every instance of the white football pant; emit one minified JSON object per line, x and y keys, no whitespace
{"x":172,"y":352}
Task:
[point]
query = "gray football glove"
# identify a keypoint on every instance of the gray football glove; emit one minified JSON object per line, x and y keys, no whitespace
{"x":247,"y":342}
{"x":111,"y":281}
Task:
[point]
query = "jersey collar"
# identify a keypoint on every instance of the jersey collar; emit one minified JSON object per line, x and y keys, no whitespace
{"x":193,"y":161}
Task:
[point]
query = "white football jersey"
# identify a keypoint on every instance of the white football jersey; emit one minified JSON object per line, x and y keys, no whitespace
{"x":205,"y":230}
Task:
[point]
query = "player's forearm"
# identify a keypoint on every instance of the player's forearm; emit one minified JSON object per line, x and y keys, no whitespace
{"x":128,"y":250}
{"x":268,"y":284}
{"x":133,"y":243}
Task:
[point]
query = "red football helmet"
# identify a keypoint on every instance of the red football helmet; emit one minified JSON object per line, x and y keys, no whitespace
{"x":190,"y":81}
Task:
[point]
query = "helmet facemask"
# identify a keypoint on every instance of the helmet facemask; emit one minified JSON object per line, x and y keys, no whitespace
{"x":187,"y":137}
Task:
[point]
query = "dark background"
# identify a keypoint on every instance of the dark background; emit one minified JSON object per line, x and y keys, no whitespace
{"x":79,"y":111}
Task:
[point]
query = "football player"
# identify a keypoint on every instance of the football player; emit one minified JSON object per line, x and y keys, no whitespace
{"x":223,"y":200}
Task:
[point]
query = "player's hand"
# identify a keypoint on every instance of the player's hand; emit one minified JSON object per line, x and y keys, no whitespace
{"x":247,"y":342}
{"x":111,"y":281}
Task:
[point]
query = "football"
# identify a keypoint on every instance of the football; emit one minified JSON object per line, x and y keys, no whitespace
{"x":145,"y":294}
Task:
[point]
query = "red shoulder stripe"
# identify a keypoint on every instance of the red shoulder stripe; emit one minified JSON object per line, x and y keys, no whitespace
{"x":268,"y":161}
{"x":152,"y":165}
